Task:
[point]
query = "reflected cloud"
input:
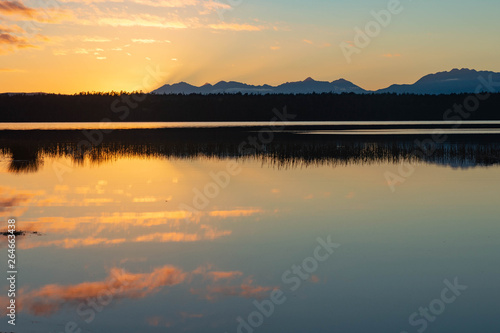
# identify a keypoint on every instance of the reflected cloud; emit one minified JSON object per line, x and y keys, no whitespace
{"x":10,"y":198}
{"x":100,"y":229}
{"x":216,"y":276}
{"x":181,"y":237}
{"x":14,"y":202}
{"x":147,"y":219}
{"x":97,"y":201}
{"x":246,"y":290}
{"x":49,"y":299}
{"x":58,"y":224}
{"x":235,"y":213}
{"x":51,"y":201}
{"x":70,"y":243}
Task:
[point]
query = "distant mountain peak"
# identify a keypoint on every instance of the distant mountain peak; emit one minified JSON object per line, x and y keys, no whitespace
{"x":455,"y":81}
{"x":307,"y":86}
{"x":182,"y":83}
{"x":462,"y":70}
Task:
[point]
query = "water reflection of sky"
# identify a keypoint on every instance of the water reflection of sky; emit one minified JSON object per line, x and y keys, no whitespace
{"x":119,"y":225}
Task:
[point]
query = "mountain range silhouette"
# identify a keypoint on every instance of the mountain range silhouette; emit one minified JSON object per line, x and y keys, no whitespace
{"x":452,"y":82}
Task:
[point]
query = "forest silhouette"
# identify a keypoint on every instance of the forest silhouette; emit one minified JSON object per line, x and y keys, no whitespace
{"x":120,"y":106}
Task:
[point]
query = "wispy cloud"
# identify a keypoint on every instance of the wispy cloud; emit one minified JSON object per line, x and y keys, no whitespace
{"x":149,"y":41}
{"x":102,"y":16}
{"x":10,"y":29}
{"x":168,"y":3}
{"x":236,"y":27}
{"x":19,"y":11}
{"x":210,"y":6}
{"x":86,"y":2}
{"x":97,"y":39}
{"x":140,"y":20}
{"x":14,"y":37}
{"x":203,"y":6}
{"x":9,"y":43}
{"x":16,"y":8}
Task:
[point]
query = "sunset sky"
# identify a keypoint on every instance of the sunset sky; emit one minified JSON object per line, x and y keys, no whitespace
{"x":68,"y":46}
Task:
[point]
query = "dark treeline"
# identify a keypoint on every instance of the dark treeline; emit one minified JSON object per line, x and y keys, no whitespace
{"x":27,"y":150}
{"x":243,"y":107}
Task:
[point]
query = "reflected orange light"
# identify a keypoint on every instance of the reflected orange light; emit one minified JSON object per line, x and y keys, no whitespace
{"x":216,"y":276}
{"x":121,"y":284}
{"x":235,"y":213}
{"x":245,"y":289}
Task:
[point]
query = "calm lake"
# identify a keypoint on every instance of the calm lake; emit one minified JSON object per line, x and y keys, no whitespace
{"x":228,"y":227}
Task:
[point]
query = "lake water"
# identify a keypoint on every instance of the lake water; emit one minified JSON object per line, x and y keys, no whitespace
{"x":179,"y":229}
